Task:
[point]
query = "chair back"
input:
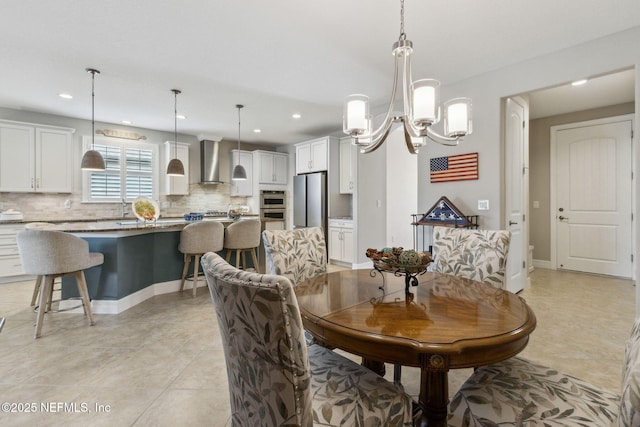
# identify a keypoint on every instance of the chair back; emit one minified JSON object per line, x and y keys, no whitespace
{"x":45,"y":252}
{"x":266,"y":355}
{"x":479,"y":255}
{"x":201,"y":237}
{"x":297,"y":254}
{"x":242,"y":234}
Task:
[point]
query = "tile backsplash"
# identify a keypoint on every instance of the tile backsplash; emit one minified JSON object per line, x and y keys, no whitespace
{"x":53,"y":206}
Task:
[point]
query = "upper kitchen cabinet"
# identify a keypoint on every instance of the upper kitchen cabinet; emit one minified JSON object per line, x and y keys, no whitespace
{"x":36,"y":158}
{"x":245,"y":187}
{"x":312,"y":156}
{"x":272,"y":167}
{"x":177,"y":185}
{"x":348,"y":156}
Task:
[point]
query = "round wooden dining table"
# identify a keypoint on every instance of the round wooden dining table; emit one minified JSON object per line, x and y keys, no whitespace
{"x":445,"y":322}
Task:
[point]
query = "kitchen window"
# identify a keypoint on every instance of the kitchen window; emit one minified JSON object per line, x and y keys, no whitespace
{"x":131,"y":171}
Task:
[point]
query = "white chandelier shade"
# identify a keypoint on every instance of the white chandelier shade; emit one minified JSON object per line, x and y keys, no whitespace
{"x":421,"y":104}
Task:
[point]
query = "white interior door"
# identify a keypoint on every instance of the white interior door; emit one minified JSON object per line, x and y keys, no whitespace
{"x":593,"y":210}
{"x":516,"y":187}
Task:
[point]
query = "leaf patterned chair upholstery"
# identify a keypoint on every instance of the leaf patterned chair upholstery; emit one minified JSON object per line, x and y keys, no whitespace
{"x":479,"y":255}
{"x":517,"y":392}
{"x":274,"y":378}
{"x":296,"y":254}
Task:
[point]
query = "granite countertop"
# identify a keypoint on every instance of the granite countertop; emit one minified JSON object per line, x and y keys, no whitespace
{"x":127,"y":224}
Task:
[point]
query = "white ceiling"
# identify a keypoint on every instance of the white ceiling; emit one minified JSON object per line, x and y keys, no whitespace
{"x":276,"y":57}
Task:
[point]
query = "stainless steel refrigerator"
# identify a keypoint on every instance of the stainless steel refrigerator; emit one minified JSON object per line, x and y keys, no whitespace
{"x":310,"y":200}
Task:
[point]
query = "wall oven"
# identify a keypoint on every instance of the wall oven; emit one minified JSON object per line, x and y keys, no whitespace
{"x":273,"y":204}
{"x":273,"y":213}
{"x":272,"y":199}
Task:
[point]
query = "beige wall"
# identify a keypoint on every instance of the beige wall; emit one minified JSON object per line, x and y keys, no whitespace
{"x":539,"y":173}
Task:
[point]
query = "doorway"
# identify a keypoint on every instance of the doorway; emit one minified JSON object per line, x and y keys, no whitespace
{"x":591,"y":195}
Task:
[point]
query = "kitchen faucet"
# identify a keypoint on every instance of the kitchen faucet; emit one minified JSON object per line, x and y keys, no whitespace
{"x":123,"y":208}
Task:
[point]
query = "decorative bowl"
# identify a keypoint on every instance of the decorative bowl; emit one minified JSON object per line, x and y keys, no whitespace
{"x":398,"y":260}
{"x":193,"y":216}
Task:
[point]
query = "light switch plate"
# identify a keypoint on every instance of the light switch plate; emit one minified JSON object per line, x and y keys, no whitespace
{"x":483,"y":205}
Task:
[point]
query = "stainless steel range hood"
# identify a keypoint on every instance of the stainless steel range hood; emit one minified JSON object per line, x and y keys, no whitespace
{"x":210,"y":162}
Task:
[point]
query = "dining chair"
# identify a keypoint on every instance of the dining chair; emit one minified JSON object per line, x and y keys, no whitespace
{"x":50,"y":254}
{"x":479,"y":255}
{"x":196,"y":239}
{"x":274,"y":378}
{"x":298,"y":254}
{"x":242,"y":237}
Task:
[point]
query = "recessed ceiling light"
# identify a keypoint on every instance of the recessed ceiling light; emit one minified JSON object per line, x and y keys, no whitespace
{"x":126,"y":122}
{"x":65,"y":95}
{"x":257,"y":131}
{"x":180,"y":116}
{"x":579,"y":82}
{"x":296,"y":115}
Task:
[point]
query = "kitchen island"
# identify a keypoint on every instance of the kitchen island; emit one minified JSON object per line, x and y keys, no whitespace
{"x":140,"y":260}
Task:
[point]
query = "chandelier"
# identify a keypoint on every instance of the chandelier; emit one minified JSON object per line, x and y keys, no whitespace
{"x":421,"y":101}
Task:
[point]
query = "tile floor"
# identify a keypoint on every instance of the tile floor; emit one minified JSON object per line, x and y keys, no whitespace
{"x":160,"y":363}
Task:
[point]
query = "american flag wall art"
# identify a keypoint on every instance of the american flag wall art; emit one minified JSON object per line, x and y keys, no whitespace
{"x":462,"y":167}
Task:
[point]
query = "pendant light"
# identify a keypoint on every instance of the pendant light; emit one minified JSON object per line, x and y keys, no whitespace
{"x":239,"y":174}
{"x":175,"y":166}
{"x":92,"y":160}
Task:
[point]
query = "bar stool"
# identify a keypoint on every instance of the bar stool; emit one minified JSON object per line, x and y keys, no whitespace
{"x":52,"y":254}
{"x":36,"y":288}
{"x":242,"y":237}
{"x":196,"y":239}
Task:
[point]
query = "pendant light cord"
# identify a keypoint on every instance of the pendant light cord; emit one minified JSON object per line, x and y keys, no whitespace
{"x":175,"y":124}
{"x":239,"y":107}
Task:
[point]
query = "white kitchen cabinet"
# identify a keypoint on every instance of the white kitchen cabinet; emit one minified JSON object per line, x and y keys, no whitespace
{"x":35,"y":158}
{"x":10,"y":264}
{"x":272,"y":167}
{"x":341,"y":240}
{"x":176,"y":185}
{"x":311,"y":156}
{"x":245,"y":158}
{"x":347,"y":168}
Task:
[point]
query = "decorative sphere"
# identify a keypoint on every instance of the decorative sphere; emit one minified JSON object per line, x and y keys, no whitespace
{"x":387,"y":251}
{"x":409,"y":258}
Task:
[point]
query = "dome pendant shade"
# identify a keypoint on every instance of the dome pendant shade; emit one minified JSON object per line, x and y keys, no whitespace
{"x":175,"y":168}
{"x":92,"y":161}
{"x":239,"y":174}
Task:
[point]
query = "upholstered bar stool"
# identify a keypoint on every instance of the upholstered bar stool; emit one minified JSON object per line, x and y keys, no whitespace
{"x":242,"y":237}
{"x":197,"y":239}
{"x":52,"y":254}
{"x":36,"y":288}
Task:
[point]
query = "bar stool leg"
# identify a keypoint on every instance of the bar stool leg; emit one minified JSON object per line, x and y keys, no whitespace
{"x":196,"y":268}
{"x":84,"y":294}
{"x":185,"y":270}
{"x":45,"y":294}
{"x":36,"y":289}
{"x":255,"y":260}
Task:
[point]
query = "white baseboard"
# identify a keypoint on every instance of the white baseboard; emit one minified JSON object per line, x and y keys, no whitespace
{"x":539,"y":263}
{"x":118,"y":306}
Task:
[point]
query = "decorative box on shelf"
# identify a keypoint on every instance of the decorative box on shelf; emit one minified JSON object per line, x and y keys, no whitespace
{"x":443,"y":213}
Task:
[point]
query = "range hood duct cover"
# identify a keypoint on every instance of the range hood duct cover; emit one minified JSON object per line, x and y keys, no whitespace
{"x":210,"y":162}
